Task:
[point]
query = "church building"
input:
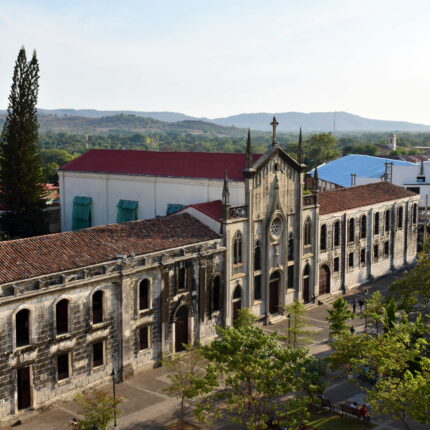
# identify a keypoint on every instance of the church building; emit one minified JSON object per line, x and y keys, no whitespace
{"x":159,"y":248}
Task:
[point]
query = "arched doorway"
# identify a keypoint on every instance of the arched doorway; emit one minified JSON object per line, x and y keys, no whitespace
{"x":181,"y":329}
{"x":306,"y":283}
{"x":236,"y":302}
{"x":324,"y":279}
{"x":274,"y":283}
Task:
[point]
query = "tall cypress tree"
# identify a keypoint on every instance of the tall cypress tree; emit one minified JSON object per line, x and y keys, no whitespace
{"x":22,"y":190}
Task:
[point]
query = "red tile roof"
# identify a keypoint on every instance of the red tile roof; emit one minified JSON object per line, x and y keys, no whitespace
{"x":211,"y":209}
{"x":41,"y":255}
{"x":178,"y":164}
{"x":362,"y":195}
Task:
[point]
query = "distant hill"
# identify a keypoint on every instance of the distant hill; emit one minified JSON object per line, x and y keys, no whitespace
{"x":288,"y":121}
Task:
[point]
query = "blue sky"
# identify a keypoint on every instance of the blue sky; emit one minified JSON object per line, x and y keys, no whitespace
{"x":217,"y":58}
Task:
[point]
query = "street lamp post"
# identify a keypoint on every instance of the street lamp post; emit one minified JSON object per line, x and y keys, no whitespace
{"x":289,"y":332}
{"x":113,"y":374}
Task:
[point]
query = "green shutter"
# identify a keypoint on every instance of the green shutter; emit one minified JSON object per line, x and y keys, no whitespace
{"x":127,"y":211}
{"x":173,"y":207}
{"x":81,"y":217}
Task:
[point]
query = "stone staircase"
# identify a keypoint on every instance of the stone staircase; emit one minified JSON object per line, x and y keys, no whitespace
{"x":327,"y":299}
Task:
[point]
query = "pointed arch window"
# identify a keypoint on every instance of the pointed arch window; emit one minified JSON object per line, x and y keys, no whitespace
{"x":307,"y":232}
{"x":400,"y":217}
{"x":336,"y":233}
{"x":97,"y":307}
{"x":62,"y":316}
{"x":414,"y":213}
{"x":144,"y":294}
{"x":323,"y":237}
{"x":237,"y":248}
{"x":216,"y":294}
{"x":257,"y":256}
{"x":387,"y":220}
{"x":351,"y":230}
{"x":363,"y":229}
{"x":376,"y":223}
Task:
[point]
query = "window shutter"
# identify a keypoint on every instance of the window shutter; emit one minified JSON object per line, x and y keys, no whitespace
{"x":81,"y":217}
{"x":127,"y":211}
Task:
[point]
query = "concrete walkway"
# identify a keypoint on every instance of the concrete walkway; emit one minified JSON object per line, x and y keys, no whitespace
{"x":146,"y":406}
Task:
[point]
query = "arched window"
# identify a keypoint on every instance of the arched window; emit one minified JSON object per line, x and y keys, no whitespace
{"x":387,"y":220}
{"x":414,"y":213}
{"x":97,"y":307}
{"x":216,"y":294}
{"x":376,"y":224}
{"x":62,"y":316}
{"x":323,"y":237}
{"x":237,"y":248}
{"x":290,"y":247}
{"x":400,"y":217}
{"x":307,"y":232}
{"x":22,"y":327}
{"x":336,"y":233}
{"x":363,"y":229}
{"x":351,"y":230}
{"x":257,"y":256}
{"x":144,"y":290}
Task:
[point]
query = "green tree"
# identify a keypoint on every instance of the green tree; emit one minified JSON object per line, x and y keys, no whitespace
{"x":188,"y":380}
{"x":320,"y":148}
{"x":97,"y":407}
{"x":338,"y":316}
{"x":296,"y":334}
{"x":51,"y":159}
{"x":23,"y":192}
{"x":375,"y":310}
{"x":254,"y":370}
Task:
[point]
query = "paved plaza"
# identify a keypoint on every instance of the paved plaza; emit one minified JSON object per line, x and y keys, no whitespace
{"x":146,"y":406}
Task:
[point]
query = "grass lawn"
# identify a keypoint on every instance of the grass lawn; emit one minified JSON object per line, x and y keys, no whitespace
{"x":332,"y":421}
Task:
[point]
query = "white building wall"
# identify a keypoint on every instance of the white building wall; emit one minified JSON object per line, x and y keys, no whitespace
{"x":152,"y":193}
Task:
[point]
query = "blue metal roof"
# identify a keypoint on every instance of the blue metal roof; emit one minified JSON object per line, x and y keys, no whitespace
{"x":365,"y":166}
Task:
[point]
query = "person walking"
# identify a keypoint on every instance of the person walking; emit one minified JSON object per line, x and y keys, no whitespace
{"x":354,"y":305}
{"x":352,"y":329}
{"x":361,"y":304}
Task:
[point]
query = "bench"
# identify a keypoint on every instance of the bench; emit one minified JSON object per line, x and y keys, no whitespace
{"x":351,"y":410}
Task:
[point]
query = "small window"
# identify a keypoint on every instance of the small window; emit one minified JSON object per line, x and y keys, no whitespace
{"x":182,"y":275}
{"x":98,"y":356}
{"x":363,"y":229}
{"x":257,"y":256}
{"x":400,"y":217}
{"x":414,"y":213}
{"x":363,"y":256}
{"x":63,"y":367}
{"x":22,"y":321}
{"x":257,"y":287}
{"x":62,"y":316}
{"x":144,"y":291}
{"x":323,"y":238}
{"x":237,"y":248}
{"x":351,"y":230}
{"x":290,"y":247}
{"x":308,"y":232}
{"x":336,"y":264}
{"x":336,"y":233}
{"x":387,"y":248}
{"x":216,"y":294}
{"x":387,"y":220}
{"x":144,"y":336}
{"x":98,"y":307}
{"x":291,"y":277}
{"x":376,"y":223}
{"x":351,"y":259}
{"x":375,"y":252}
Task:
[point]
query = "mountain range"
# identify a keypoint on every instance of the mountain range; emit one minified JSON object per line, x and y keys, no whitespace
{"x":340,"y":122}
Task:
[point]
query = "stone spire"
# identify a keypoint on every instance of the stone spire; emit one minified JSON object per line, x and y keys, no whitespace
{"x":300,"y":148}
{"x":316,"y":181}
{"x":274,"y":124}
{"x":225,"y":191}
{"x":248,"y":151}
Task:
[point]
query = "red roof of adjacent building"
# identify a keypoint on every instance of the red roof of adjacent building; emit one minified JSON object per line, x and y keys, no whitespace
{"x":362,"y":195}
{"x":210,"y":165}
{"x":211,"y":209}
{"x":42,"y":255}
